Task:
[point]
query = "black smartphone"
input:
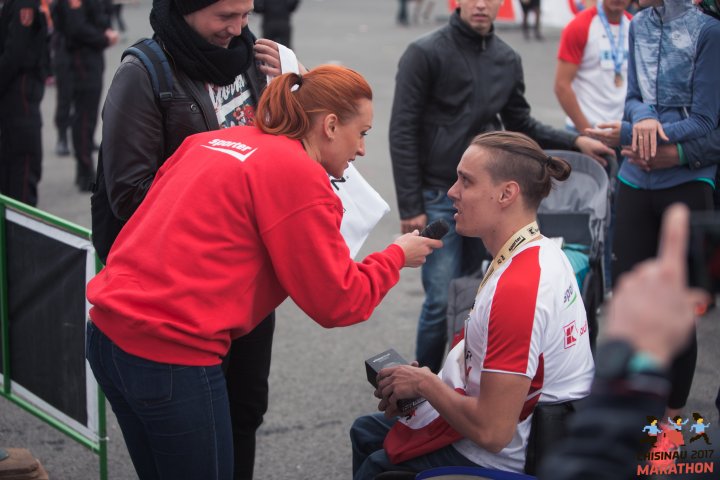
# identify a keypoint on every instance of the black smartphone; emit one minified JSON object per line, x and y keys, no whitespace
{"x":704,"y":251}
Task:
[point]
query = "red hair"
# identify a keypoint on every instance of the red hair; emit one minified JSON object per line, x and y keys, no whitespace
{"x":285,"y":110}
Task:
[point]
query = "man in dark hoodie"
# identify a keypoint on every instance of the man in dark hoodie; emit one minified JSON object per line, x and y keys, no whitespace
{"x":84,"y":26}
{"x":218,"y":77}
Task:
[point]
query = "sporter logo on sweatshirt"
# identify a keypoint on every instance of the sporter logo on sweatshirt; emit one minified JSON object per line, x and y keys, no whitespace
{"x":233,"y":149}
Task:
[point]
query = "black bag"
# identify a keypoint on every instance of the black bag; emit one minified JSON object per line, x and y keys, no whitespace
{"x":549,"y":424}
{"x":105,"y":225}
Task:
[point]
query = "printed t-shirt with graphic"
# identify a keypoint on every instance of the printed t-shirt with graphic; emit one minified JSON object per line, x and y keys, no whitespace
{"x":234,"y":104}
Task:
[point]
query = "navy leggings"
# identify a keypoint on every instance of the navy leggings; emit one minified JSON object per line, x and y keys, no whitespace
{"x":637,"y":229}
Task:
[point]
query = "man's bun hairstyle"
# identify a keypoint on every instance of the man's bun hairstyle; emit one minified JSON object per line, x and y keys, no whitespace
{"x":516,"y":157}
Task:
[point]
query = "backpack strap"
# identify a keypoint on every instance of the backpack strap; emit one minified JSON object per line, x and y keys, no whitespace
{"x":149,"y":52}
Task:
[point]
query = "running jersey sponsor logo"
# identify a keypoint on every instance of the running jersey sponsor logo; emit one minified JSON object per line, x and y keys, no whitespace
{"x":569,"y":297}
{"x":571,"y":334}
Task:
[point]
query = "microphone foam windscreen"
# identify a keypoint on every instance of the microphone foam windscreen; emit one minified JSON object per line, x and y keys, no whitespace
{"x":436,"y":230}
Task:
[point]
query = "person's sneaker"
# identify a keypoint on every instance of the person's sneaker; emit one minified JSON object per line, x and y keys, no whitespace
{"x":61,"y":148}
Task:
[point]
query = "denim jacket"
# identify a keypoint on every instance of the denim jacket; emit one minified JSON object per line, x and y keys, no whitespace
{"x":672,"y":70}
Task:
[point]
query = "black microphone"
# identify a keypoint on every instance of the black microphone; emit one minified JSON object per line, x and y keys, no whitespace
{"x":436,"y":230}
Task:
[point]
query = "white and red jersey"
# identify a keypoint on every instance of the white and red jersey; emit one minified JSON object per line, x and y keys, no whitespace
{"x":585,"y":43}
{"x":529,"y":319}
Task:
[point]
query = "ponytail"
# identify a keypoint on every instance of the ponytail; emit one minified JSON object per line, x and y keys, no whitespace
{"x":291,"y":101}
{"x":279,"y":112}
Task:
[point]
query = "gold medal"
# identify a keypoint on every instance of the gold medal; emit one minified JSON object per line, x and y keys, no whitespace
{"x":618,"y":80}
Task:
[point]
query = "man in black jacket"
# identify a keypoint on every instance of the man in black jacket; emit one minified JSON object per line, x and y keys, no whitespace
{"x":217,"y":82}
{"x":61,"y":64}
{"x":85,"y":24}
{"x":23,"y":68}
{"x":452,"y":84}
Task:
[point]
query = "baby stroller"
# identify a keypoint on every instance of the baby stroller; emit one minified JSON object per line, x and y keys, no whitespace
{"x":578,"y":210}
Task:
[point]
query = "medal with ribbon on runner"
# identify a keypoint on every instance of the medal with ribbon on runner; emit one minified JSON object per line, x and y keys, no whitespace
{"x":526,"y":234}
{"x":617,"y":48}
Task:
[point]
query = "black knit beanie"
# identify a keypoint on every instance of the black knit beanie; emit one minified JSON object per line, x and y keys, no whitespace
{"x":189,"y":6}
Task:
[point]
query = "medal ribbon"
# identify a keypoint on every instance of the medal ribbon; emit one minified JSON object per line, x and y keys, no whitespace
{"x":529,"y":232}
{"x":617,"y":49}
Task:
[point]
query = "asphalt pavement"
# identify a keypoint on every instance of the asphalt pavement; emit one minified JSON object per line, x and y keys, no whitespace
{"x":318,"y":383}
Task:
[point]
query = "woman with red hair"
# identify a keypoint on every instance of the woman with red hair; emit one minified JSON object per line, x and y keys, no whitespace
{"x":236,"y":221}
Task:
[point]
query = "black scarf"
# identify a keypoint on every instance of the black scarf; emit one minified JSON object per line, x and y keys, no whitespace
{"x":194,"y":55}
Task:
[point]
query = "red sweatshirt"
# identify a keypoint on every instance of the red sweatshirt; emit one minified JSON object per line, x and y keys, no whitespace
{"x":234,"y":222}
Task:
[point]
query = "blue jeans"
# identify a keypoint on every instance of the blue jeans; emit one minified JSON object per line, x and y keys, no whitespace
{"x":369,"y":459}
{"x":175,"y":419}
{"x":459,"y":256}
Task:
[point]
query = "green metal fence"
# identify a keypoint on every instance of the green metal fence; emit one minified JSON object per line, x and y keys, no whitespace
{"x":91,"y":433}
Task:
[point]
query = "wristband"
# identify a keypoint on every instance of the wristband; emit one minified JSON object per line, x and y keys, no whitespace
{"x":682,"y":160}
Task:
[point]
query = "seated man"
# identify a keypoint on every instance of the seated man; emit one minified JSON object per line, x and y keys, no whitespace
{"x":525,"y":341}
